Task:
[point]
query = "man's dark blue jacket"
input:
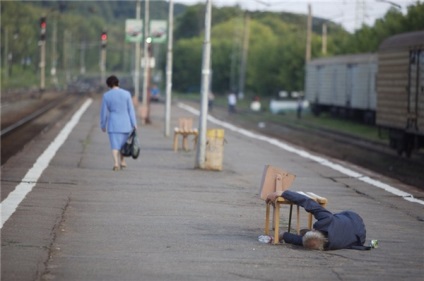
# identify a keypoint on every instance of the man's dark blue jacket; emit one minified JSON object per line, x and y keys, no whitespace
{"x":345,"y":230}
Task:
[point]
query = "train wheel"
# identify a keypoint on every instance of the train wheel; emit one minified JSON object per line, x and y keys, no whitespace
{"x":409,"y":141}
{"x":399,"y":150}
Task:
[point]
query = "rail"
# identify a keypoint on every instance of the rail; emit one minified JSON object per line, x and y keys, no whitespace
{"x":30,"y":117}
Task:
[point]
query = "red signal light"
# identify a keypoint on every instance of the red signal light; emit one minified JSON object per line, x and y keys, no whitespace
{"x":43,"y":23}
{"x":103,"y":38}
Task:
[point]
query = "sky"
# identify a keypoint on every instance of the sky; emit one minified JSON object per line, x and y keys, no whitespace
{"x":350,"y":13}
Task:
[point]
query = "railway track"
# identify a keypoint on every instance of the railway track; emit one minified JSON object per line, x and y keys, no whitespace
{"x":27,"y":119}
{"x":24,"y":120}
{"x":373,"y":156}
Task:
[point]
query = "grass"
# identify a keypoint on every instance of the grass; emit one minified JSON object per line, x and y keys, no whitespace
{"x":308,"y":120}
{"x":19,"y":81}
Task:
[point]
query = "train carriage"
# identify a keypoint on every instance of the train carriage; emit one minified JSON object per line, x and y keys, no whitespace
{"x":343,"y":85}
{"x":400,"y":90}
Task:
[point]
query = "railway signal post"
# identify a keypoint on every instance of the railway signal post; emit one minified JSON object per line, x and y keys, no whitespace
{"x":103,"y":38}
{"x":42,"y":44}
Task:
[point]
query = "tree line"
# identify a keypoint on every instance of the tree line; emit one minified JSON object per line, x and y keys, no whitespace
{"x":271,"y":44}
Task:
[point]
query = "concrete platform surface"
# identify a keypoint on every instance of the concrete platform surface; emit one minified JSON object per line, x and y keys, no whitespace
{"x":161,"y":219}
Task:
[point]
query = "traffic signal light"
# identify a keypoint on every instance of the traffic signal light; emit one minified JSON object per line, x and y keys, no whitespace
{"x":103,"y":38}
{"x":43,"y":26}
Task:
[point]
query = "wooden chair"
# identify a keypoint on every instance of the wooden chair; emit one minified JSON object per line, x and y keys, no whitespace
{"x":276,"y":216}
{"x":185,"y":129}
{"x":276,"y":179}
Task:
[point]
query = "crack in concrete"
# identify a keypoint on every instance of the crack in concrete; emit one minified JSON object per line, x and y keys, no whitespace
{"x":53,"y":234}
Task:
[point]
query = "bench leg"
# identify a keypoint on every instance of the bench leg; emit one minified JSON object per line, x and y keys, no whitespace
{"x":175,"y":145}
{"x":185,"y":143}
{"x":195,"y":142}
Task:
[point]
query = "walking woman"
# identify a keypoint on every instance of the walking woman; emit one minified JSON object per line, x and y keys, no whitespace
{"x":117,"y":116}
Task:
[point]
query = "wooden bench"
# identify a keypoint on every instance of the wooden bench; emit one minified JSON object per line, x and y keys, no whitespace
{"x":185,"y":129}
{"x":276,"y":216}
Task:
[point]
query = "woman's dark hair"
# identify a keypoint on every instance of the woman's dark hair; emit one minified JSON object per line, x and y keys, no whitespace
{"x":112,"y":81}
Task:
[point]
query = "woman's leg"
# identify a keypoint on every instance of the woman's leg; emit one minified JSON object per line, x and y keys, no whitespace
{"x":116,"y":156}
{"x":123,"y":163}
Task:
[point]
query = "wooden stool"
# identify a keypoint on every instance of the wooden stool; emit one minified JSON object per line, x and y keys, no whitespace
{"x":185,"y":129}
{"x":276,"y":216}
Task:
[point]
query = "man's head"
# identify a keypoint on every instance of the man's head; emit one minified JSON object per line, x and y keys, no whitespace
{"x":112,"y":81}
{"x":314,"y":240}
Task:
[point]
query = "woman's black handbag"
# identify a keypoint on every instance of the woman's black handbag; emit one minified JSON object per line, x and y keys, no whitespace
{"x":132,"y":146}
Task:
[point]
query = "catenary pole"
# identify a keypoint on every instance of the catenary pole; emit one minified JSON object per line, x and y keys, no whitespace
{"x":169,"y":69}
{"x":308,"y":35}
{"x":243,"y":62}
{"x":6,"y":52}
{"x":324,"y":38}
{"x":201,"y":147}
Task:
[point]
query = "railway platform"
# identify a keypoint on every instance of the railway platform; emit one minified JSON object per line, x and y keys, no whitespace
{"x":161,"y":219}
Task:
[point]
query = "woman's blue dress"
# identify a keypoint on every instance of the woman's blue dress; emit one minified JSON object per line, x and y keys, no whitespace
{"x":117,"y":115}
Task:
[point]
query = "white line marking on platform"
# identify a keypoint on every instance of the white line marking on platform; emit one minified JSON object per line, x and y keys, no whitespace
{"x":9,"y":205}
{"x":305,"y":154}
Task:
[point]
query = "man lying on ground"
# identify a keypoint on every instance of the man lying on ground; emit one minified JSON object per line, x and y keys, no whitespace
{"x":344,"y":230}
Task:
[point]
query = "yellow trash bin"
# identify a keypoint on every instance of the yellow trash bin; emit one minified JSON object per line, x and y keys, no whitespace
{"x":214,"y":149}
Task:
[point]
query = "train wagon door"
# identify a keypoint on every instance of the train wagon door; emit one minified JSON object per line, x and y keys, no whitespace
{"x":351,"y":83}
{"x":415,"y":90}
{"x":317,"y":89}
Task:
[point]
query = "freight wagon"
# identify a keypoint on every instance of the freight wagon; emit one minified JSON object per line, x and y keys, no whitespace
{"x":400,"y":91}
{"x":343,"y":85}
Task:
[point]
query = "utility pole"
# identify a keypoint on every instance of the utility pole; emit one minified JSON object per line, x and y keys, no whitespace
{"x":308,"y":35}
{"x":145,"y":103}
{"x":6,"y":53}
{"x":53,"y":70}
{"x":324,"y":38}
{"x":235,"y":55}
{"x":137,"y":61}
{"x":82,"y":57}
{"x":65,"y":55}
{"x":169,"y":68}
{"x":359,"y":13}
{"x":42,"y":43}
{"x":201,"y":147}
{"x":243,"y":63}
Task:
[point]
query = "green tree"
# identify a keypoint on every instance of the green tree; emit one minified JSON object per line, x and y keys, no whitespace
{"x":187,"y":64}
